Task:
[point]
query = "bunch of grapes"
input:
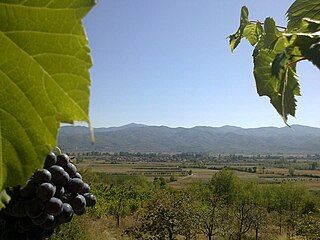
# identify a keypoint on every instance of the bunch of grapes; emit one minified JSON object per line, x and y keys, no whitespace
{"x":50,"y":198}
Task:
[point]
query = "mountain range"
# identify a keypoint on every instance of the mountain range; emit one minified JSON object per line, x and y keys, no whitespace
{"x":133,"y":137}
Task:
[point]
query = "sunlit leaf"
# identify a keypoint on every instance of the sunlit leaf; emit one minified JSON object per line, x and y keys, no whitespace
{"x":282,"y":87}
{"x":44,"y":79}
{"x":302,"y":9}
{"x":271,"y":33}
{"x":235,"y":38}
{"x":252,"y":32}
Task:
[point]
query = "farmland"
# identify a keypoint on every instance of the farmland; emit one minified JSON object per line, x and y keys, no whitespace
{"x":140,"y":195}
{"x":184,"y":169}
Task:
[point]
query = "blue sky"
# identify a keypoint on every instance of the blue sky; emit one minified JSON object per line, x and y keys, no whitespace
{"x":168,"y":62}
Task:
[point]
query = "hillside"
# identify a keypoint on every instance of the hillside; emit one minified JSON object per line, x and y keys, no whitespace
{"x":226,"y":139}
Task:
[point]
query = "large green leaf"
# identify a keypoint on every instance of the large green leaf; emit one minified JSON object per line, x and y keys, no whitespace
{"x":302,"y":9}
{"x":280,"y":85}
{"x":44,"y":79}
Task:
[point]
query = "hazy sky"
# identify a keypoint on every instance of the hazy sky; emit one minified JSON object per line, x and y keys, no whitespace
{"x":168,"y":62}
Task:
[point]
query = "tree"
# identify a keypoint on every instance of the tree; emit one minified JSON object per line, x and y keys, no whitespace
{"x":168,"y":214}
{"x":209,"y":208}
{"x":277,"y":50}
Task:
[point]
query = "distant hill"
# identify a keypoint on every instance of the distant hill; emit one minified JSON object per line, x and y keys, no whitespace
{"x":226,"y":139}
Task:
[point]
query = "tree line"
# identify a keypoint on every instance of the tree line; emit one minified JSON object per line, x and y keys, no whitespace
{"x":223,"y":208}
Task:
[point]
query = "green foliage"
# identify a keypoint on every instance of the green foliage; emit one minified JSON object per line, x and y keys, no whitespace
{"x":44,"y":79}
{"x":302,"y":9}
{"x":223,"y":185}
{"x":168,"y":214}
{"x":278,"y":49}
{"x":71,"y":231}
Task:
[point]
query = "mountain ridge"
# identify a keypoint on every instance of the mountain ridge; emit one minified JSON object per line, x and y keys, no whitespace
{"x":134,"y":137}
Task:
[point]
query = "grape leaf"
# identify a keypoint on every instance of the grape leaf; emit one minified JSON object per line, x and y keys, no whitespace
{"x":281,"y":87}
{"x":309,"y":46}
{"x":271,"y":33}
{"x":252,"y":32}
{"x":302,"y":9}
{"x":44,"y":79}
{"x":235,"y":38}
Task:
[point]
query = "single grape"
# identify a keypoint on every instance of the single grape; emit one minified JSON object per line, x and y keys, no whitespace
{"x":42,"y":176}
{"x":56,"y":172}
{"x":67,"y":213}
{"x":63,"y":180}
{"x":59,"y":191}
{"x":29,"y":190}
{"x":77,"y":175}
{"x":59,"y":175}
{"x":45,"y":191}
{"x":35,"y":207}
{"x":91,"y":199}
{"x":41,"y":219}
{"x":75,"y":185}
{"x":24,"y":224}
{"x":63,"y":159}
{"x":80,"y":211}
{"x":54,"y":206}
{"x":71,"y":169}
{"x":51,"y":160}
{"x":78,"y":202}
{"x":19,"y":209}
{"x":50,"y":223}
{"x":85,"y":189}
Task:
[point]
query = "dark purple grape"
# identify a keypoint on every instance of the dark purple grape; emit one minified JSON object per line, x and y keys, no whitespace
{"x":42,"y":176}
{"x":56,"y":172}
{"x":77,"y":202}
{"x":67,"y":213}
{"x":63,"y":180}
{"x":35,"y":207}
{"x":45,"y":191}
{"x":77,"y":175}
{"x":75,"y":185}
{"x":29,"y":190}
{"x":59,"y":175}
{"x":71,"y":169}
{"x":80,"y":212}
{"x":85,"y":189}
{"x":59,"y":191}
{"x":63,"y":159}
{"x":51,"y":160}
{"x":40,"y":220}
{"x":91,"y":199}
{"x":19,"y":209}
{"x":24,"y":224}
{"x":54,"y":206}
{"x":50,"y":223}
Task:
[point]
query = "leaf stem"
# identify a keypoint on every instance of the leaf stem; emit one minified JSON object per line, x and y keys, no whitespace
{"x":294,"y":62}
{"x":252,"y":21}
{"x":58,"y":149}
